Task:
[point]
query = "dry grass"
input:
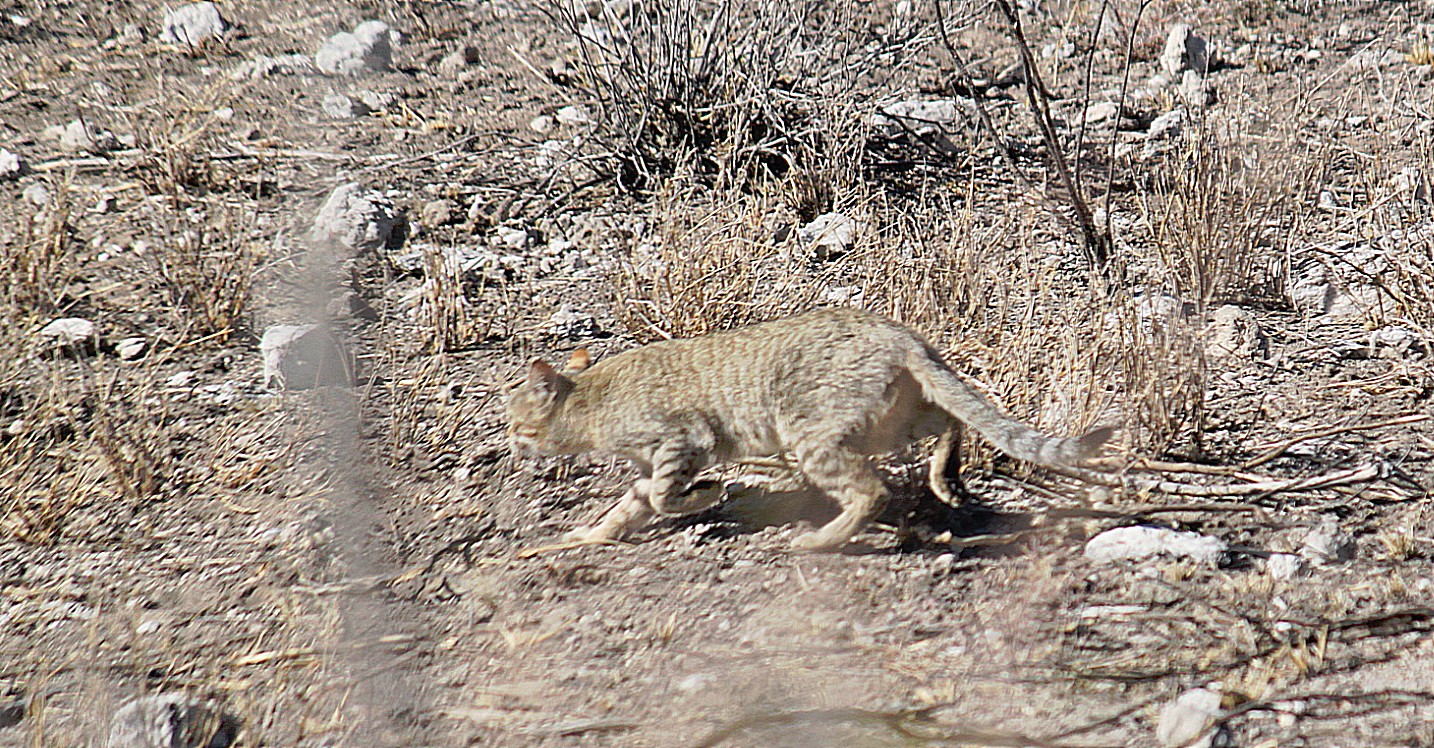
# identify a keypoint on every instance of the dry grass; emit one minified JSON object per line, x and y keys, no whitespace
{"x":39,"y":259}
{"x":76,"y":450}
{"x":204,"y":267}
{"x":731,"y":94}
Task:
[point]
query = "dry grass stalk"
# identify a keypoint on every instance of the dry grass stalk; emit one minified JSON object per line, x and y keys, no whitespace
{"x":36,"y":271}
{"x":446,"y":315}
{"x":205,"y":268}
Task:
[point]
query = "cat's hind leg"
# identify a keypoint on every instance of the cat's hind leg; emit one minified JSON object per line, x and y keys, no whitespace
{"x":944,"y":471}
{"x":844,"y":475}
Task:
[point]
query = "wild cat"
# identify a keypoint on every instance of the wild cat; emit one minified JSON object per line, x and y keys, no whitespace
{"x":829,"y":388}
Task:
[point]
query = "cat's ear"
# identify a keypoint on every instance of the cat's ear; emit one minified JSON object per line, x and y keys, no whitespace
{"x":580,"y":360}
{"x":543,"y":377}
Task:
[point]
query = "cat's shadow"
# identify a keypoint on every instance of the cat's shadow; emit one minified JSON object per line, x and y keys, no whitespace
{"x":914,"y":520}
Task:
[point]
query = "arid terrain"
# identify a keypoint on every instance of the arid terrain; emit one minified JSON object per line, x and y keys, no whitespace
{"x":1208,"y":224}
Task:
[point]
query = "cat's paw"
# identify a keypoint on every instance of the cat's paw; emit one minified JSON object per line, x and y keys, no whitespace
{"x":817,"y":542}
{"x":589,"y":534}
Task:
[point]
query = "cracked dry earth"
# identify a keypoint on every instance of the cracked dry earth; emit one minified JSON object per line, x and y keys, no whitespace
{"x":366,"y":565}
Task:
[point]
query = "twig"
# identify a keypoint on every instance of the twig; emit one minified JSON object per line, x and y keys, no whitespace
{"x":1038,"y":98}
{"x":1280,"y":448}
{"x":1131,"y":483}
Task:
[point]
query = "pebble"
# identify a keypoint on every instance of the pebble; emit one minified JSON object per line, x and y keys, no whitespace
{"x":1234,"y":332}
{"x":338,"y":106}
{"x":191,"y":25}
{"x":36,"y":194}
{"x":922,"y":116}
{"x":1189,"y":716}
{"x":1327,"y":544}
{"x":1285,"y":566}
{"x":264,"y":67}
{"x":130,"y":349}
{"x":830,"y":234}
{"x":12,"y":165}
{"x":69,"y":335}
{"x":368,"y":49}
{"x":573,"y":115}
{"x":1142,"y":543}
{"x":355,"y":217}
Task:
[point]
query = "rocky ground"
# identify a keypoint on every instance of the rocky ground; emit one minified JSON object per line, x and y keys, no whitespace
{"x":269,"y":270}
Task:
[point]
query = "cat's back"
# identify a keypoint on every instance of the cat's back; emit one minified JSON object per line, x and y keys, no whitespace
{"x":817,"y":346}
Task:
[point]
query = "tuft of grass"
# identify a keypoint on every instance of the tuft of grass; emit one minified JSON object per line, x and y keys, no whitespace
{"x":205,"y":270}
{"x":1217,"y":215}
{"x":446,"y":315}
{"x":38,"y":261}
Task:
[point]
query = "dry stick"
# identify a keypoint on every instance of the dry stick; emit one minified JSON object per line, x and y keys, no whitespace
{"x":1280,"y":448}
{"x":1120,"y":101}
{"x":1097,"y":245}
{"x":1337,"y":478}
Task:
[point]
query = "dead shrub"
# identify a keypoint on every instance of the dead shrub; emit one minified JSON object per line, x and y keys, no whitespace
{"x":1220,"y":214}
{"x":729,"y":93}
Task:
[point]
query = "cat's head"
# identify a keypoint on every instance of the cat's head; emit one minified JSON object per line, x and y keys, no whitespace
{"x":534,"y":401}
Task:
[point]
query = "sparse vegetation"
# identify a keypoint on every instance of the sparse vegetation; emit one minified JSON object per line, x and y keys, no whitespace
{"x":333,"y":565}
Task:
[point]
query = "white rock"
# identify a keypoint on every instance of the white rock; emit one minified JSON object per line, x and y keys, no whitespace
{"x":368,"y":49}
{"x":511,"y":237}
{"x":71,"y":335}
{"x":355,"y":217}
{"x":573,"y":115}
{"x":303,"y":356}
{"x":541,"y":123}
{"x":454,"y":62}
{"x":1168,"y":125}
{"x":1187,"y":720}
{"x":77,"y":135}
{"x":1142,"y":543}
{"x":569,"y":324}
{"x":830,"y":234}
{"x":338,"y":106}
{"x":1333,"y":281}
{"x":192,"y":24}
{"x":171,"y":720}
{"x":263,"y":67}
{"x":1234,"y":332}
{"x":1184,"y":51}
{"x":1374,"y":59}
{"x":11,"y":165}
{"x":130,"y":349}
{"x":1194,"y":90}
{"x":1101,"y":111}
{"x":376,"y":100}
{"x":1327,"y":544}
{"x":36,"y":194}
{"x":437,"y":212}
{"x":695,"y":682}
{"x":1410,"y":179}
{"x":923,"y":117}
{"x":180,"y":380}
{"x":1285,"y":566}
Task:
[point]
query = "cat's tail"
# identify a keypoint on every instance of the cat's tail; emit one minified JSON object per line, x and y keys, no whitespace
{"x":958,"y":397}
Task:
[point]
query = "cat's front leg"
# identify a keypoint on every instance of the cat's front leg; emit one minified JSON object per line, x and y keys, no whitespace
{"x":674,"y":470}
{"x":629,"y":513}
